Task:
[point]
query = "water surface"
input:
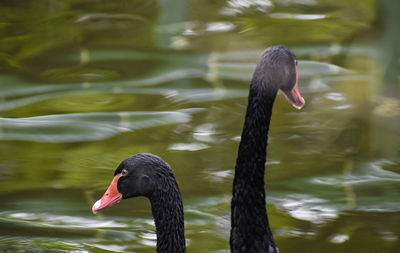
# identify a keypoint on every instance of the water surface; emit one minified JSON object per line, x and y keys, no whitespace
{"x":85,"y":84}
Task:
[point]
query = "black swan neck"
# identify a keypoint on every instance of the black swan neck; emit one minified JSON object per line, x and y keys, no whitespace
{"x":250,"y":227}
{"x":168,"y":215}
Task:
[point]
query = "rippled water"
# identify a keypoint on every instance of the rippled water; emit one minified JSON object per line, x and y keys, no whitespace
{"x":86,"y":84}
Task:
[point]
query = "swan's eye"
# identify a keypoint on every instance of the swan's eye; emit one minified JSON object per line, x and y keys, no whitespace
{"x":124,"y":172}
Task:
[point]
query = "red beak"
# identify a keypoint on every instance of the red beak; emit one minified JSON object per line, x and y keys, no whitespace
{"x":293,"y":96}
{"x":111,"y":197}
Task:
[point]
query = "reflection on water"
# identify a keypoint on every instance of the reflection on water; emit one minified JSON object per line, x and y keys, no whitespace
{"x":85,"y":126}
{"x":85,"y":85}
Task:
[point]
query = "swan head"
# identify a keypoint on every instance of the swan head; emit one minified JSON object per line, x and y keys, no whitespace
{"x":138,"y":175}
{"x":277,"y":69}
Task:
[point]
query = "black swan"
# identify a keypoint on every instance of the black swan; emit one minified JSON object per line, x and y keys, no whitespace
{"x":250,"y":232}
{"x":149,"y":176}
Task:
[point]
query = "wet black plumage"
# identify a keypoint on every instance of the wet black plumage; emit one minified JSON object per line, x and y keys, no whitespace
{"x":151,"y":177}
{"x":249,"y":219}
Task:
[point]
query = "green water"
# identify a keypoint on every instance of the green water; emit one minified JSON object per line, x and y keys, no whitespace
{"x":85,"y":84}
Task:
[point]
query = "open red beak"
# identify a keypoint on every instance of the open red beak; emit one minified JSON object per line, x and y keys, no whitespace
{"x":111,"y":197}
{"x":293,"y":96}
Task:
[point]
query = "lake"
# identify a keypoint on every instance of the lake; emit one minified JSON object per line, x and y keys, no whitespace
{"x":85,"y":84}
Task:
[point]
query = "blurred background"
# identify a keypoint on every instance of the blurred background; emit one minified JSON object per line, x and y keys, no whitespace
{"x":85,"y":84}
